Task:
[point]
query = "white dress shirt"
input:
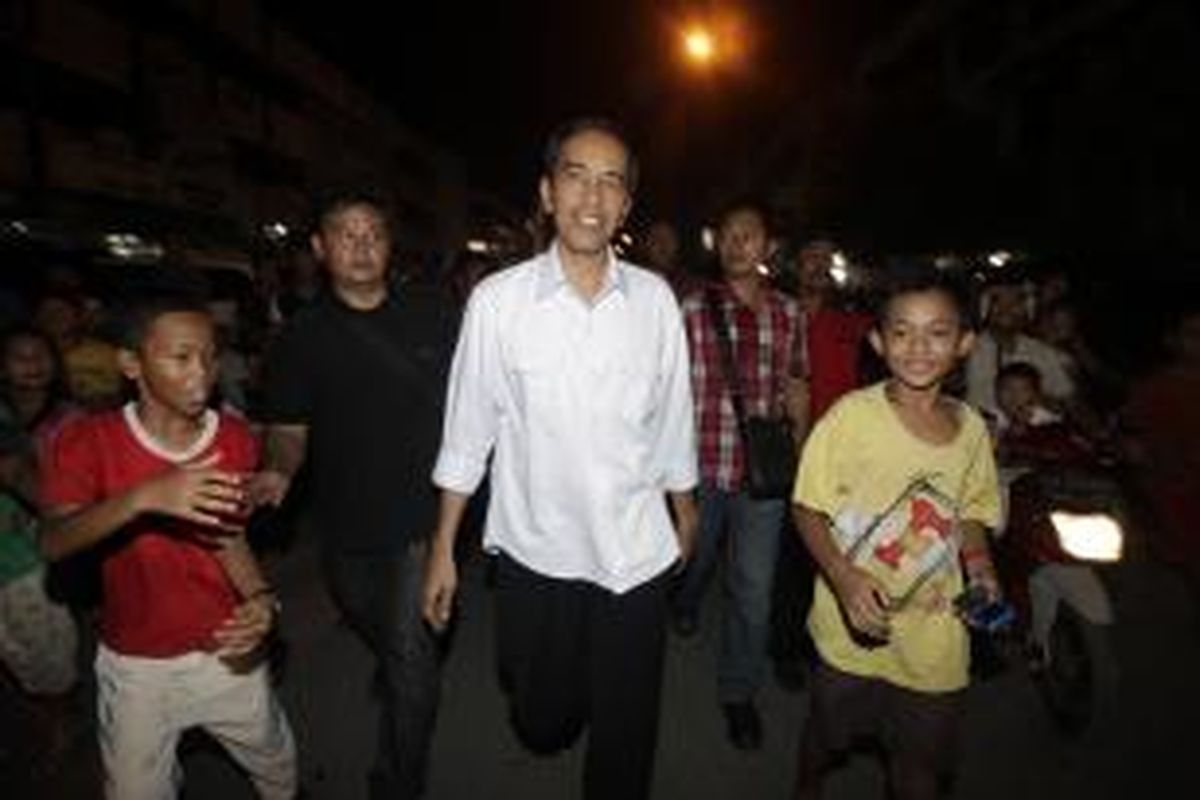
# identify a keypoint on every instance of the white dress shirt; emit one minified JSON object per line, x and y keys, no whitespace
{"x":588,"y":408}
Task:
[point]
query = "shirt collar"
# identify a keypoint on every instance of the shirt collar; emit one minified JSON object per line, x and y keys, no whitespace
{"x":551,"y":278}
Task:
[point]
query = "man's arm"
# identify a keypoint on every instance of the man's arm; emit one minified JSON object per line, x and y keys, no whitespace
{"x":470,"y":430}
{"x":862,"y":597}
{"x":284,"y":450}
{"x":687,"y":522}
{"x":441,"y":574}
{"x":796,"y":404}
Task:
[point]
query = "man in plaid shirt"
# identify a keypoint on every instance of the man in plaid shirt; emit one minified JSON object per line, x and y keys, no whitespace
{"x":766,"y":335}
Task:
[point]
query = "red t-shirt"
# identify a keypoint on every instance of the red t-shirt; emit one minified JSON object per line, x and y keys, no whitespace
{"x":164,"y":592}
{"x":833,"y":338}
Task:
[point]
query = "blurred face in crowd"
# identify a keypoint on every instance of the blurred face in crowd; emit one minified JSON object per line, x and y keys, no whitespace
{"x":354,"y":245}
{"x":662,"y":247}
{"x":60,"y":319}
{"x":921,"y":338}
{"x":1007,"y":312}
{"x":816,"y":259}
{"x":588,"y":194}
{"x":1058,"y":327}
{"x":175,"y":365}
{"x":28,"y":363}
{"x":1053,"y":288}
{"x":743,"y":243}
{"x":1018,"y":396}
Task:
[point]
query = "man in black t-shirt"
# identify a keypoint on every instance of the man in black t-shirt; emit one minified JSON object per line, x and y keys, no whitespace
{"x":354,"y":387}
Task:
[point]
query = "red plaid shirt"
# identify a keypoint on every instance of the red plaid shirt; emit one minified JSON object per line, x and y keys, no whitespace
{"x":768,"y":350}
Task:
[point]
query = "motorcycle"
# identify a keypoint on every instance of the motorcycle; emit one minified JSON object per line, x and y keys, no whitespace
{"x":1064,"y":525}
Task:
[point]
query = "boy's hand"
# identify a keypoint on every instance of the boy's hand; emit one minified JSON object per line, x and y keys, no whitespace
{"x":197,"y":492}
{"x":984,"y":579}
{"x":267,"y":488}
{"x":243,"y":632}
{"x":981,"y":572}
{"x":441,"y":584}
{"x":864,"y":599}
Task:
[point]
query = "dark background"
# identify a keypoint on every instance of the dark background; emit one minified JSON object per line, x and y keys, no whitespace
{"x":1060,"y":125}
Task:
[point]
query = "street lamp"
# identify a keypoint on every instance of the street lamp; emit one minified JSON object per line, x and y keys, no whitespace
{"x":699,"y":46}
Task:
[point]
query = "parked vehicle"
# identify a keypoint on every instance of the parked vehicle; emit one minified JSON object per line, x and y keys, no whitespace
{"x":1064,"y":525}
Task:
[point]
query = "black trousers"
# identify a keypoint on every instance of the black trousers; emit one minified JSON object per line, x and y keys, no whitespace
{"x":379,"y":594}
{"x":573,"y":655}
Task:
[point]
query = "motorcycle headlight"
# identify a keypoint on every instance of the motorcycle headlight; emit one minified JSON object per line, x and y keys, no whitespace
{"x":1089,"y":537}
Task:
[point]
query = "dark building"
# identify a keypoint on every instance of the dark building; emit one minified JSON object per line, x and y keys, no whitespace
{"x":201,"y":123}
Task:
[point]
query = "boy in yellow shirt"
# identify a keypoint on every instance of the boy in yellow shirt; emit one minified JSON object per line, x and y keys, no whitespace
{"x":895,"y":492}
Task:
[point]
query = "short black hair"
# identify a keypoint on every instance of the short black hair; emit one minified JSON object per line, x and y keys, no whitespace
{"x":1020,"y":370}
{"x":755,"y":205}
{"x":334,"y":200}
{"x":915,"y":277}
{"x":139,"y":317}
{"x":552,"y":153}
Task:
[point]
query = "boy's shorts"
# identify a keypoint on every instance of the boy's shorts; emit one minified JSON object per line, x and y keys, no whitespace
{"x":38,"y":639}
{"x":912,"y":725}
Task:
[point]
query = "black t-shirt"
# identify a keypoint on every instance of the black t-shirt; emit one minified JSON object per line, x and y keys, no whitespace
{"x":370,"y":386}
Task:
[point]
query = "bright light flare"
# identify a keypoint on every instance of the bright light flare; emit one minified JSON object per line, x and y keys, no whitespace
{"x":1089,"y":537}
{"x":699,"y":45}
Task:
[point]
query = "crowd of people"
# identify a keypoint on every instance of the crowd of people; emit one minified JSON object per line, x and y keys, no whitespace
{"x":617,"y":415}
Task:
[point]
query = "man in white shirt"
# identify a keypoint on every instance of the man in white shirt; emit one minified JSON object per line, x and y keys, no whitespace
{"x":1003,"y":341}
{"x":572,"y":372}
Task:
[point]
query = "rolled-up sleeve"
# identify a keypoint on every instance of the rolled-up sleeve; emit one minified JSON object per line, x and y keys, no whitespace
{"x":675,"y":448}
{"x":472,"y":407}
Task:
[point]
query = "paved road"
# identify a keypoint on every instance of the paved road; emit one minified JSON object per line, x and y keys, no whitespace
{"x":1010,"y":749}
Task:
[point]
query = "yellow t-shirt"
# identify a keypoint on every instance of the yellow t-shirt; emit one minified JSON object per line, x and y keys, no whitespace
{"x":894,"y":503}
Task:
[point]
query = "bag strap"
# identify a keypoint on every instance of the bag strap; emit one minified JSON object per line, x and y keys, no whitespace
{"x":390,"y":355}
{"x":729,"y":373}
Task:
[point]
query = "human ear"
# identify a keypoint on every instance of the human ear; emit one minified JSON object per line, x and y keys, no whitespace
{"x":966,"y":343}
{"x":130,"y":366}
{"x":876,"y":341}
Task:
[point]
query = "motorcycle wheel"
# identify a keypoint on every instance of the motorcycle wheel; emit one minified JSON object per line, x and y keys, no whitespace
{"x":1079,"y":682}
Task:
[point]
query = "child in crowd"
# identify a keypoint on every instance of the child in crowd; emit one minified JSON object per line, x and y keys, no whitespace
{"x":37,"y":635}
{"x":1026,"y":432}
{"x":159,"y":487}
{"x":91,"y":371}
{"x":1019,"y":401}
{"x":895,"y":492}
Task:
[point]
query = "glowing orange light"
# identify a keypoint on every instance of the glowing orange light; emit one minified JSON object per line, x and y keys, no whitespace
{"x":699,"y":45}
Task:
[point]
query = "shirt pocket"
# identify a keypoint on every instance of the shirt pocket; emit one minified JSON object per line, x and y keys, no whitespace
{"x":537,"y":375}
{"x":634,"y":388}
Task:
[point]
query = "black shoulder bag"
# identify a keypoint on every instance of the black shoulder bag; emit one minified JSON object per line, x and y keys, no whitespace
{"x":767,"y":445}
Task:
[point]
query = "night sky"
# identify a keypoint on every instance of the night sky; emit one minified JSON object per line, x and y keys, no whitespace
{"x":1080,"y":141}
{"x":489,"y":80}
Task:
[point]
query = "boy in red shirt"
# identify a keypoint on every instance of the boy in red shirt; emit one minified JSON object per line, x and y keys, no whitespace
{"x":158,"y":484}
